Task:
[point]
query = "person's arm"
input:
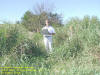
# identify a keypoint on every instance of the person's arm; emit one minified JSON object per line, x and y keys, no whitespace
{"x":53,"y":31}
{"x":42,"y":31}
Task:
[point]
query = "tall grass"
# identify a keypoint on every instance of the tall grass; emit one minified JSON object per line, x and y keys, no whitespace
{"x":75,"y":49}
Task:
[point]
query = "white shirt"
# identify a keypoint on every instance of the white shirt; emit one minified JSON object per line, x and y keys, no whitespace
{"x":50,"y":29}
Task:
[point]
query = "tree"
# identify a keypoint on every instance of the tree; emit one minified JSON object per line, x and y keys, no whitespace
{"x":29,"y":20}
{"x":34,"y":20}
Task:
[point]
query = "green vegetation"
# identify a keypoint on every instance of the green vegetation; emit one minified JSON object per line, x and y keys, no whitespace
{"x":76,"y":48}
{"x":34,"y":22}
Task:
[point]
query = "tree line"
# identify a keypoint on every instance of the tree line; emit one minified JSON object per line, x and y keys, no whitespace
{"x":34,"y":21}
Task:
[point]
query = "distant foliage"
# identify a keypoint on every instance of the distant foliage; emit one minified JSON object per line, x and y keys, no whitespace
{"x":34,"y":22}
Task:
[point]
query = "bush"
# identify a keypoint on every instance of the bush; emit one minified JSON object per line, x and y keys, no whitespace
{"x":10,"y":36}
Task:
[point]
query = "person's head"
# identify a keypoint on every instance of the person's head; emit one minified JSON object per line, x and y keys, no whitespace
{"x":47,"y":22}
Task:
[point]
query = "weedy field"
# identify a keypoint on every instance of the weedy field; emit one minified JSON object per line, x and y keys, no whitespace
{"x":76,"y":49}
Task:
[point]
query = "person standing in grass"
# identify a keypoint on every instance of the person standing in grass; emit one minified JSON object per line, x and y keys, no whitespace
{"x":48,"y":31}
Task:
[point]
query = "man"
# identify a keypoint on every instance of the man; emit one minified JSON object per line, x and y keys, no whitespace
{"x":47,"y":32}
